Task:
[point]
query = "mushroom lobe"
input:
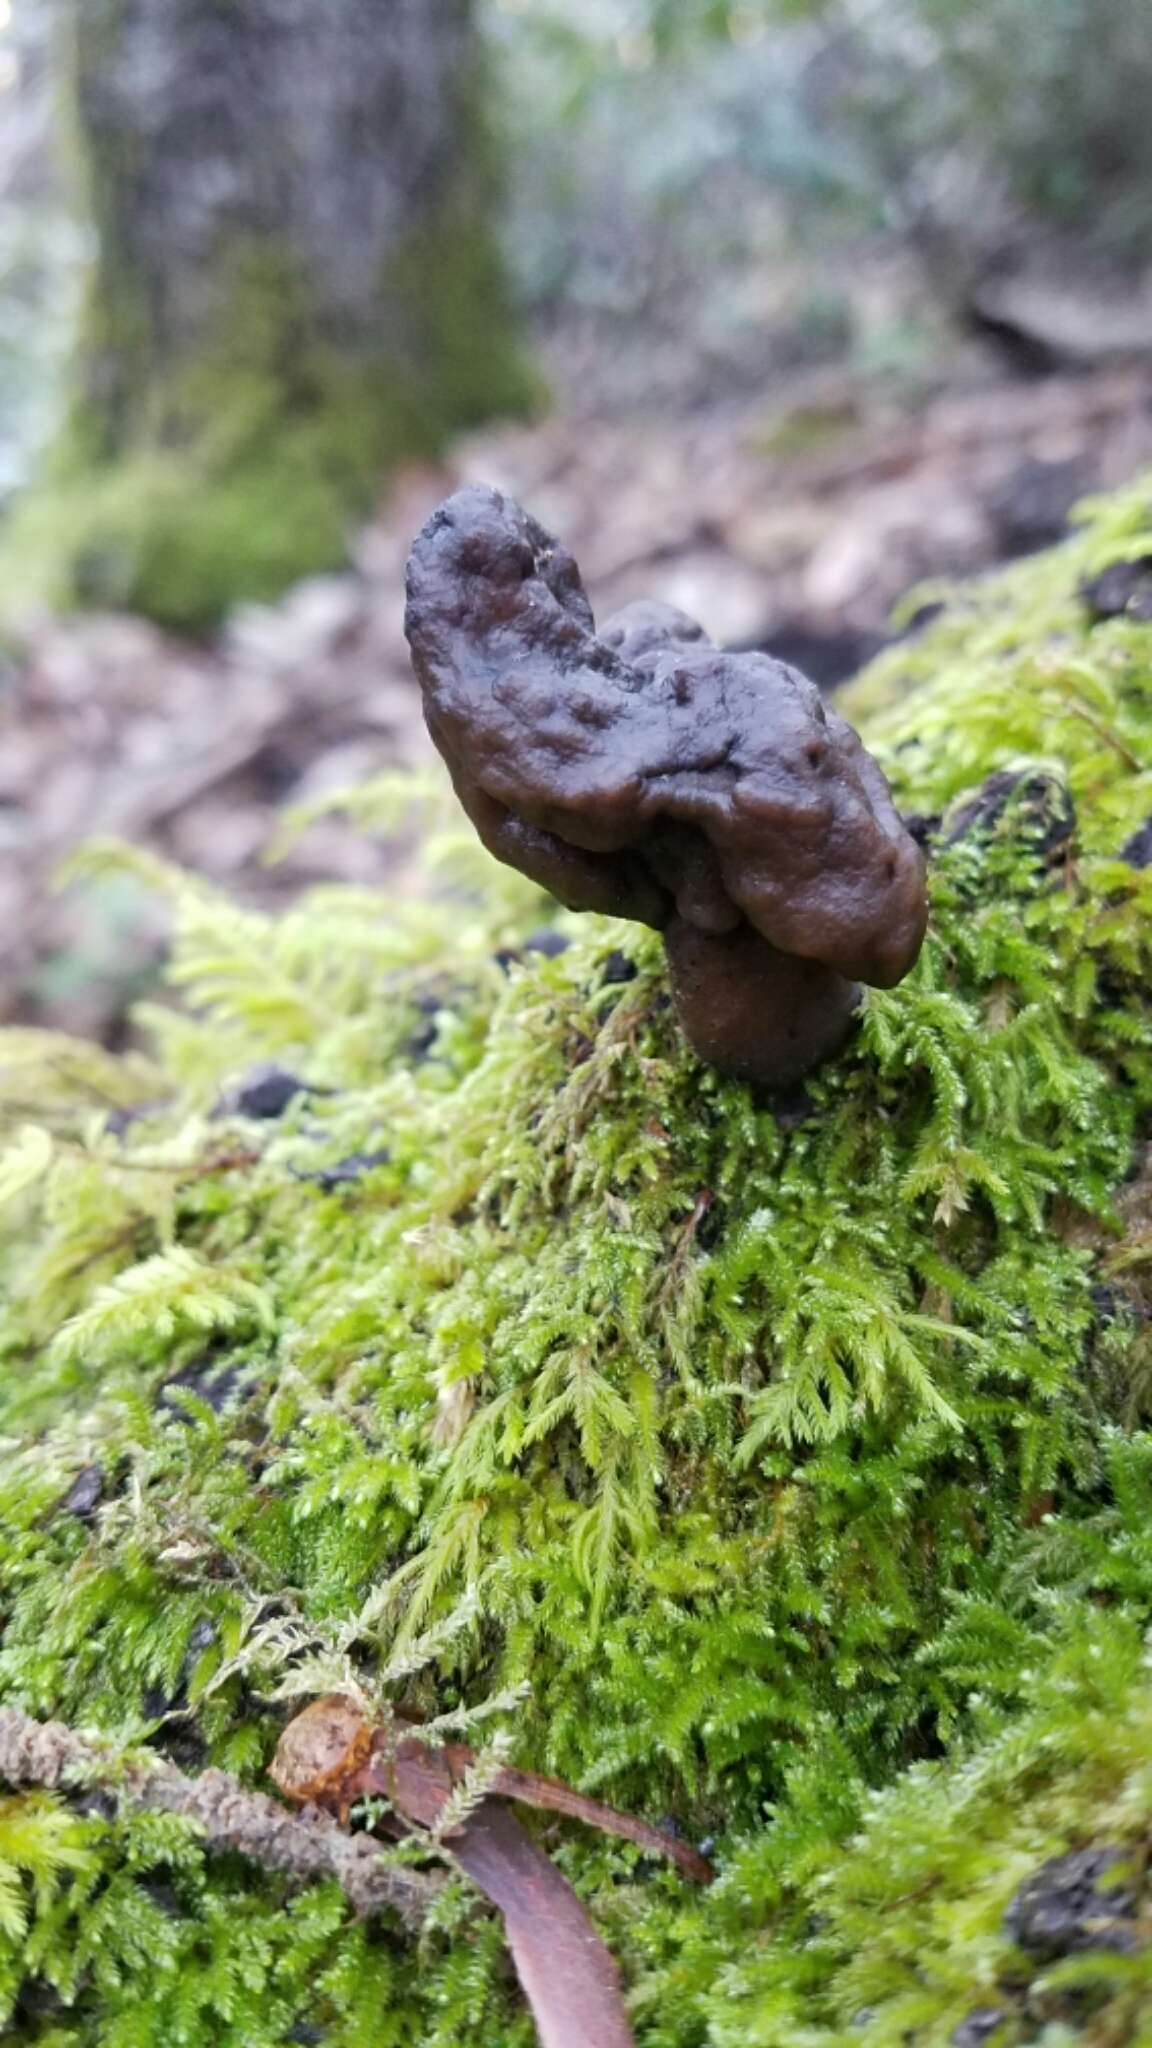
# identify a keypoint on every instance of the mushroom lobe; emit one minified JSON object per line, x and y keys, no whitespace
{"x":645,"y":773}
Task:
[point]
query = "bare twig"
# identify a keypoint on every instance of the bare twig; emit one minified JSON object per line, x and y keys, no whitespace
{"x":308,"y":1846}
{"x":333,"y":1754}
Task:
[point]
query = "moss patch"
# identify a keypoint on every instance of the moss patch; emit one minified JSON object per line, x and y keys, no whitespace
{"x":779,"y":1467}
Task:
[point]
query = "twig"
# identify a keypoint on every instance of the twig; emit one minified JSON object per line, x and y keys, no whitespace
{"x":1079,"y":709}
{"x":118,"y":1241}
{"x":333,"y":1754}
{"x":308,"y":1846}
{"x":231,"y":1162}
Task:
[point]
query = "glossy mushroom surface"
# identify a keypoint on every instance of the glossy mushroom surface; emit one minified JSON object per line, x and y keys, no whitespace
{"x":645,"y":773}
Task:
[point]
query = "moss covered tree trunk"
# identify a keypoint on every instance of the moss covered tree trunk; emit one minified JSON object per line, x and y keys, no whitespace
{"x":294,"y":284}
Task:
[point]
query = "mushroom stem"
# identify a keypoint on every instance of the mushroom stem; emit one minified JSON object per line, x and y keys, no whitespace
{"x":752,"y":1011}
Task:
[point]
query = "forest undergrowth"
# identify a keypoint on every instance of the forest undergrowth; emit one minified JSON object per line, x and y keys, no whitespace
{"x":410,"y":1314}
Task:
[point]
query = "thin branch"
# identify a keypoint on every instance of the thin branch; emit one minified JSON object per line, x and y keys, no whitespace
{"x":334,"y":1754}
{"x":308,"y":1846}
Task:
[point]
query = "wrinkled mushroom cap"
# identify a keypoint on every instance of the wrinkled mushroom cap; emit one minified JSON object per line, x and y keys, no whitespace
{"x":643,"y":771}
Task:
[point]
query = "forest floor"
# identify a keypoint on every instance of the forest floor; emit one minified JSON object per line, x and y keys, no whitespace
{"x":795,"y":521}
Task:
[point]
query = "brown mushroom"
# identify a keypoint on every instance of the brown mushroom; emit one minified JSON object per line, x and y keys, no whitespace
{"x":645,"y":773}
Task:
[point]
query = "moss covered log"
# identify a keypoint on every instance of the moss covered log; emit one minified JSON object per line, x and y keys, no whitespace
{"x":774,"y":1468}
{"x":295,"y":285}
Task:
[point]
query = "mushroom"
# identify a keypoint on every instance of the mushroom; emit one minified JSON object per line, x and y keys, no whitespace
{"x":645,"y":773}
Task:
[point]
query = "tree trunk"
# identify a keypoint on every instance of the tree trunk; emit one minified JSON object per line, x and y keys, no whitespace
{"x":294,"y":283}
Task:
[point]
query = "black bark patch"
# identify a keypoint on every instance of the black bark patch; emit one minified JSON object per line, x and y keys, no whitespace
{"x":830,"y":656}
{"x":85,"y":1493}
{"x":618,"y":968}
{"x":1123,"y":591}
{"x":211,"y":1378}
{"x":1137,"y":851}
{"x":263,"y":1092}
{"x":345,"y":1172}
{"x":1044,"y":814}
{"x":791,"y":1107}
{"x":922,"y":826}
{"x":1069,"y":1906}
{"x":1030,"y":508}
{"x":980,"y":2026}
{"x":547,"y":942}
{"x":120,"y":1120}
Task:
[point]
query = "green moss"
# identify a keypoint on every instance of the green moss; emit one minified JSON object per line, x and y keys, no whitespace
{"x":781,"y":1467}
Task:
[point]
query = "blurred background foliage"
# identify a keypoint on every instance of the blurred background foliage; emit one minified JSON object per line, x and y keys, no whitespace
{"x":824,"y":300}
{"x":42,"y":246}
{"x":699,"y":167}
{"x":685,"y":177}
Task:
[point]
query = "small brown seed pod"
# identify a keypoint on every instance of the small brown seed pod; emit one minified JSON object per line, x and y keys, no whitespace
{"x":322,"y":1754}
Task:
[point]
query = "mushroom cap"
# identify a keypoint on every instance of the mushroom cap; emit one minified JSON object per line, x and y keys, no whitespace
{"x":644,"y":771}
